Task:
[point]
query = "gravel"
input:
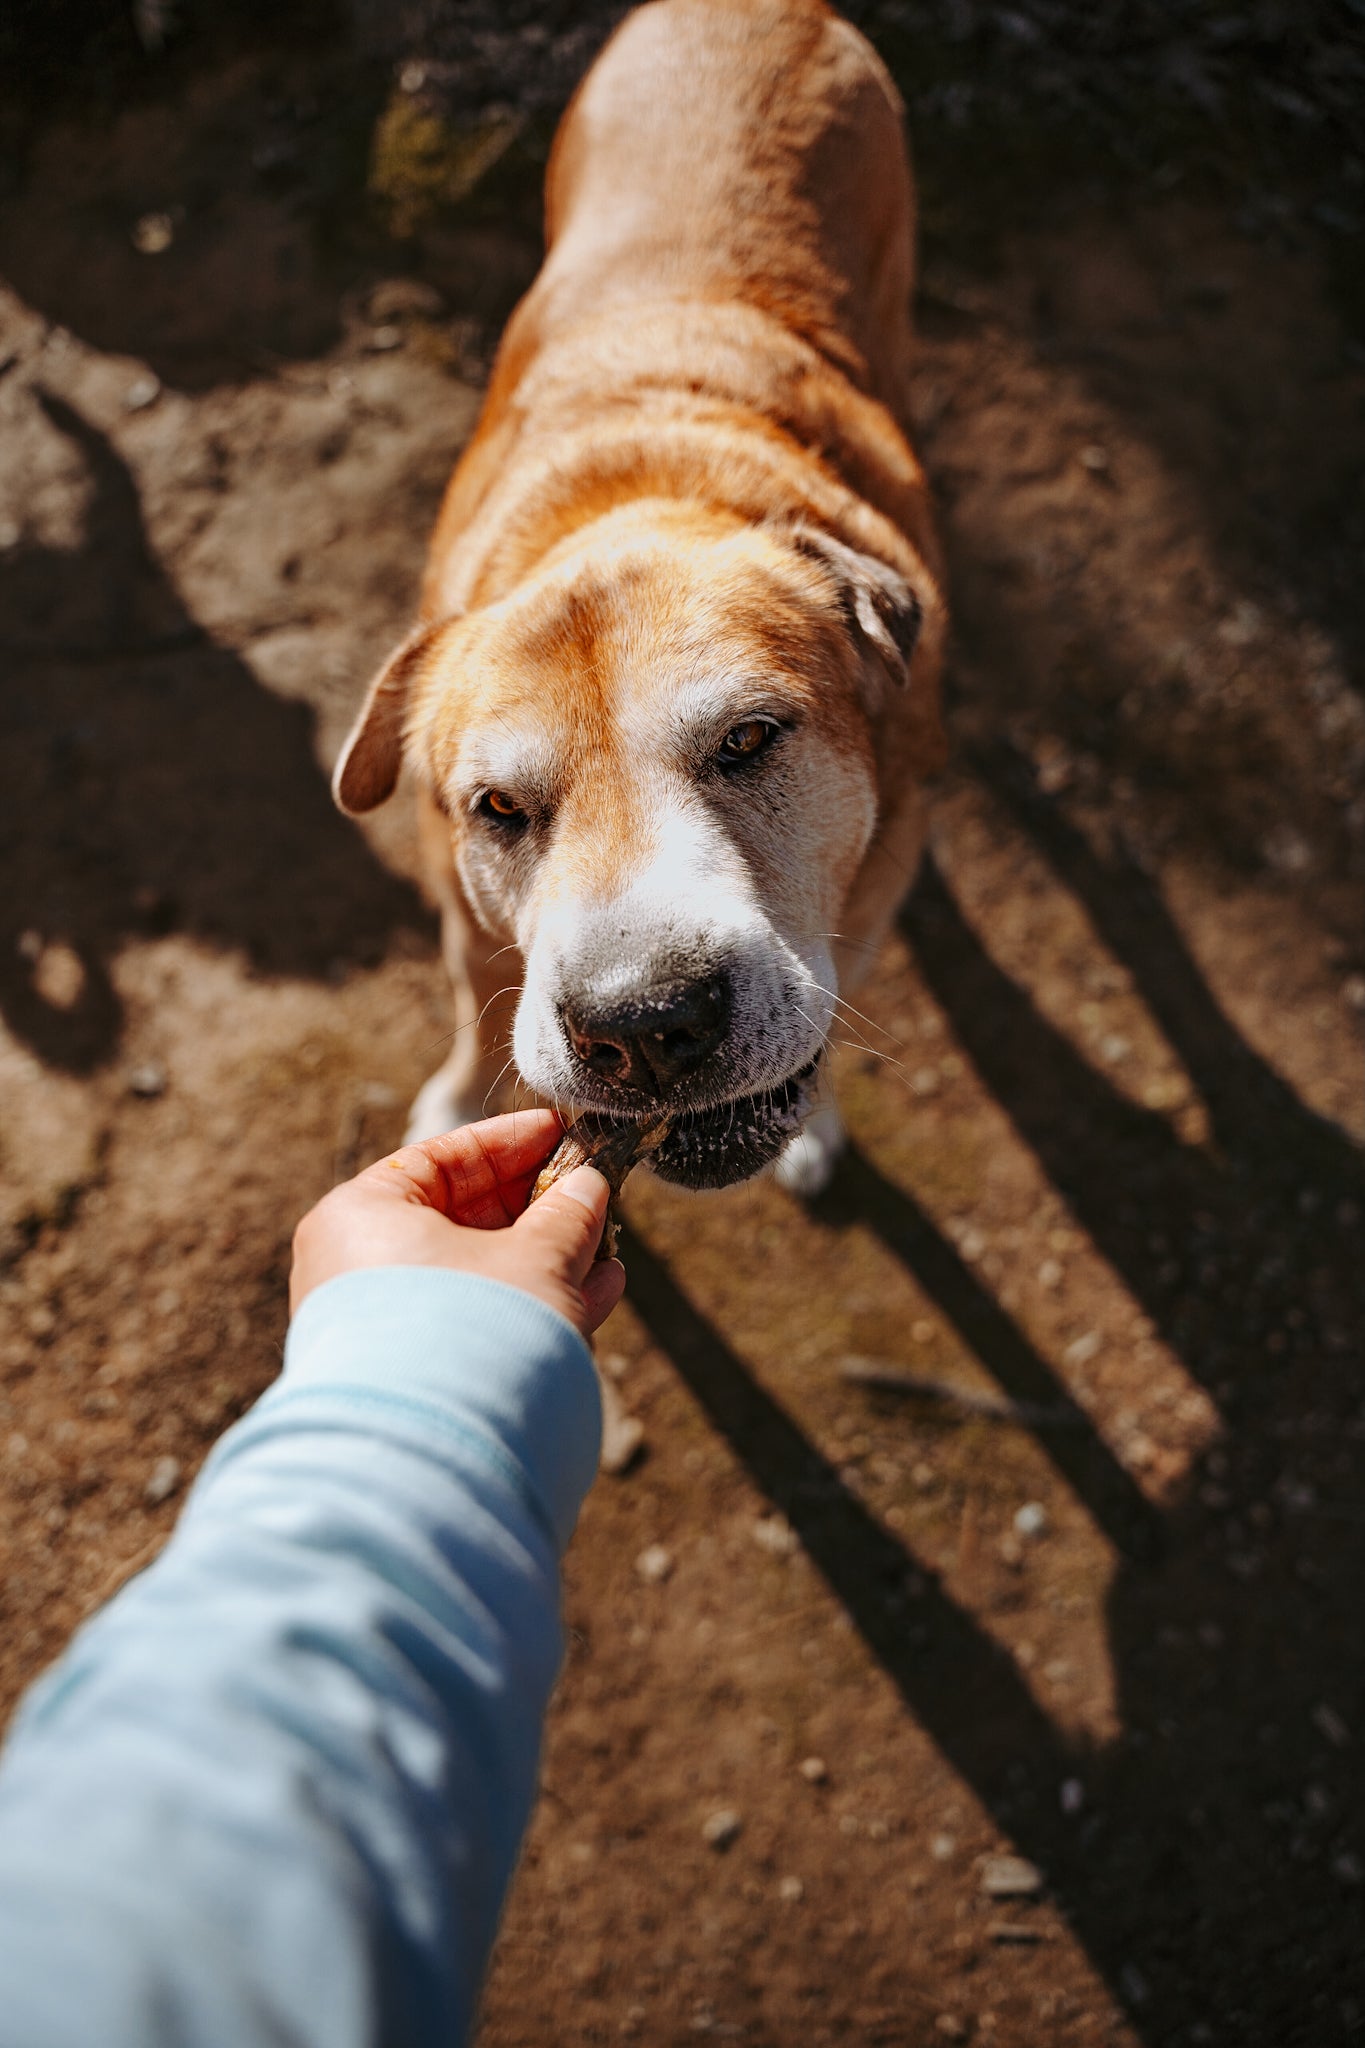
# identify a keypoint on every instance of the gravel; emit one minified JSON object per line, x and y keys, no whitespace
{"x":162,"y":1482}
{"x":722,"y":1828}
{"x":1010,"y":1877}
{"x":654,"y":1565}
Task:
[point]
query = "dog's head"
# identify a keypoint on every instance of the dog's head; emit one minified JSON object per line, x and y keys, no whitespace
{"x":657,"y":761}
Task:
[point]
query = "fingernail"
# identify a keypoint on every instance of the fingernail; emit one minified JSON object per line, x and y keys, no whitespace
{"x":585,"y":1194}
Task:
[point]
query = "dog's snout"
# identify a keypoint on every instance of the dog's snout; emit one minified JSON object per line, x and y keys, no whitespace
{"x":650,"y":1041}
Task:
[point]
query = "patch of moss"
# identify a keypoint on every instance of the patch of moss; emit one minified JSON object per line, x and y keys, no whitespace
{"x":423,"y":163}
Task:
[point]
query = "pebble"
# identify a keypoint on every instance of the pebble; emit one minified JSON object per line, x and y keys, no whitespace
{"x":402,"y":297}
{"x":153,"y":234}
{"x":1010,"y":1877}
{"x":142,"y":392}
{"x":1095,"y":458}
{"x":775,"y":1534}
{"x":654,"y":1565}
{"x":165,"y":1477}
{"x":148,"y":1080}
{"x":623,"y":1434}
{"x":1050,"y":1274}
{"x":950,"y":2026}
{"x":942,"y":1847}
{"x":722,"y":1828}
{"x":383,"y":339}
{"x":1031,"y":1519}
{"x":1071,"y":1797}
{"x":791,"y":1890}
{"x":813,"y":1769}
{"x":1328,"y":1722}
{"x":1133,"y":1984}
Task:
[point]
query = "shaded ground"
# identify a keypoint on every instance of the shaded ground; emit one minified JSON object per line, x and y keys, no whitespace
{"x":1107,"y":1105}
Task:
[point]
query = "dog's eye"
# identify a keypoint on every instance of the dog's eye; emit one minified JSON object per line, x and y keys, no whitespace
{"x":501,"y":808}
{"x":748,"y":738}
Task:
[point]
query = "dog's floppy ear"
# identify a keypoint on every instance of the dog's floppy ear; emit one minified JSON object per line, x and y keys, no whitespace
{"x":367,"y":768}
{"x":878,"y":601}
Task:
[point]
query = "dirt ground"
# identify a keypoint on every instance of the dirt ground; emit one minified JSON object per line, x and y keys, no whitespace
{"x":1097,"y":1603}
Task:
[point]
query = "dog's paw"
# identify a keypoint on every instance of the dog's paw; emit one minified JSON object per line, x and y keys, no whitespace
{"x":806,"y":1165}
{"x":436,"y":1108}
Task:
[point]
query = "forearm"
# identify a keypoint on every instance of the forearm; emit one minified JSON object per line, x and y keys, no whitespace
{"x":276,"y":1790}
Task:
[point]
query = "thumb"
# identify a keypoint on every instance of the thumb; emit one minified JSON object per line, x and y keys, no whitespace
{"x":564,"y":1228}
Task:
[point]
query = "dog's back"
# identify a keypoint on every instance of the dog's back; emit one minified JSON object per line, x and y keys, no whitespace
{"x":750,"y":147}
{"x":730,"y":220}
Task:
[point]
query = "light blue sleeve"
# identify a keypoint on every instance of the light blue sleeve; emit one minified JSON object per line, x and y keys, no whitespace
{"x":274,"y":1792}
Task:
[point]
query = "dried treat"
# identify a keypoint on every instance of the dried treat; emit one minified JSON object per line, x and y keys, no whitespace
{"x":613,"y":1148}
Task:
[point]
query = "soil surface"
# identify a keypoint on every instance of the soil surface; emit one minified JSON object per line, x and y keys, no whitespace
{"x":1090,"y":1596}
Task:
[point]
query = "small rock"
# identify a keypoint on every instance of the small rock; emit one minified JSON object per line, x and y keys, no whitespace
{"x":1287,"y":851}
{"x":148,"y":1080}
{"x":1133,"y":1984}
{"x":1010,"y":1877}
{"x":791,"y":1890}
{"x":720,"y":1829}
{"x":1050,"y":1274}
{"x":1095,"y":458}
{"x":654,"y":1565}
{"x":1010,"y":1552}
{"x":1328,"y":1722}
{"x":950,"y":2026}
{"x":378,"y":1095}
{"x":943,"y":1847}
{"x":775,"y":1534}
{"x":623,"y":1435}
{"x":1071,"y":1797}
{"x":383,"y":339}
{"x":1031,"y":1520}
{"x":153,"y":234}
{"x":165,"y":1477}
{"x":1081,"y":1350}
{"x":142,"y":392}
{"x":813,"y":1769}
{"x":399,"y":298}
{"x":1013,"y":1931}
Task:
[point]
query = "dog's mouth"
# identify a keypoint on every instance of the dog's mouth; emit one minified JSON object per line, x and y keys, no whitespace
{"x":713,"y":1148}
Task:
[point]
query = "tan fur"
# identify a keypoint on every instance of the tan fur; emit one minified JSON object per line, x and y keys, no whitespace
{"x":704,"y":388}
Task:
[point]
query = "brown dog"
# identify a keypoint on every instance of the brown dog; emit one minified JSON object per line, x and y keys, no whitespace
{"x":674,"y":692}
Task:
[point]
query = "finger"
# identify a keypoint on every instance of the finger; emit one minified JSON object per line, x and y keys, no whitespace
{"x":601,"y":1290}
{"x":565,"y":1225}
{"x":470,"y":1167}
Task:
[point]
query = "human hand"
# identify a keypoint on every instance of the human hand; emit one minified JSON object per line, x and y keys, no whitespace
{"x":460,"y":1201}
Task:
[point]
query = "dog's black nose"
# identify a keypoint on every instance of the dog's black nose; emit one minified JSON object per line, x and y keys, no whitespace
{"x":652,"y":1039}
